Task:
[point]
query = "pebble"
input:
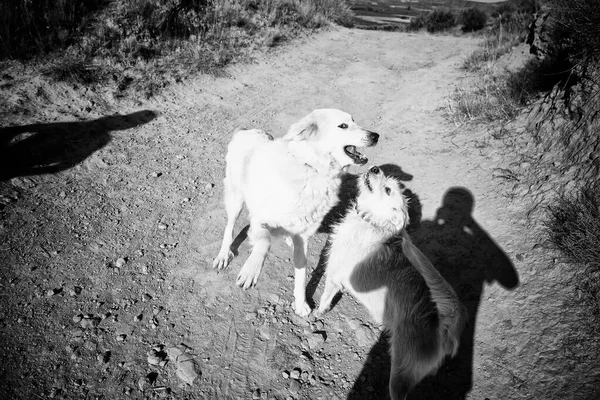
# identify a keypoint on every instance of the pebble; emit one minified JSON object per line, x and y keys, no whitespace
{"x":137,"y":318}
{"x":156,"y":174}
{"x":120,"y":262}
{"x":146,"y":297}
{"x":294,"y":387}
{"x":295,"y":374}
{"x":153,"y":358}
{"x":88,"y":322}
{"x":121,"y":337}
{"x":285,"y":374}
{"x":103,"y":358}
{"x":364,"y":336}
{"x":52,"y":292}
{"x":77,"y":318}
{"x":316,"y":339}
{"x":162,"y":226}
{"x":209,"y":186}
{"x":256,"y":394}
{"x":145,"y":269}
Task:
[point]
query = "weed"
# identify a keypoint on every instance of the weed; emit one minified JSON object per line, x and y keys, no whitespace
{"x":440,"y":20}
{"x":152,"y":42}
{"x":473,"y":19}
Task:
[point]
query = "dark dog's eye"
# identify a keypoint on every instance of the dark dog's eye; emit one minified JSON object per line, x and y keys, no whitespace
{"x":343,"y":126}
{"x":388,"y":191}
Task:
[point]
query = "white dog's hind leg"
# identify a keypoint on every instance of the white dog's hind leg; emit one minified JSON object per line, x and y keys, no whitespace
{"x":300,"y":249}
{"x":260,"y":238}
{"x":234,"y":202}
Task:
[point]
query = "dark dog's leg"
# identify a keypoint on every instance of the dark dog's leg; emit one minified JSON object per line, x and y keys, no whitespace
{"x":331,"y":289}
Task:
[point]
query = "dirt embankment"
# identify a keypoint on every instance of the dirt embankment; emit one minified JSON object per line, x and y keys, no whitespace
{"x":109,"y":225}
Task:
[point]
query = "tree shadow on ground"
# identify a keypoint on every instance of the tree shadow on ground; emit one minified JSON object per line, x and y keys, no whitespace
{"x":50,"y":148}
{"x":468,"y":259}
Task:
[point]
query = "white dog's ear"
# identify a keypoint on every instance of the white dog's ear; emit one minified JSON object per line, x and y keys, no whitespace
{"x":302,"y":129}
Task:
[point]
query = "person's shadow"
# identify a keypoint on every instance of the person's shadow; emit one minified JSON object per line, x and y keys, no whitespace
{"x":468,"y":259}
{"x":53,"y":147}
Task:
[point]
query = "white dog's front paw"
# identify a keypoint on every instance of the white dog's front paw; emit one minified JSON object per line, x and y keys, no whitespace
{"x":248,"y":275}
{"x":302,"y":309}
{"x":223,"y":259}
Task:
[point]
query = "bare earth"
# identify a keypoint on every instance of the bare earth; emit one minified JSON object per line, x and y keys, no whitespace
{"x":144,"y":185}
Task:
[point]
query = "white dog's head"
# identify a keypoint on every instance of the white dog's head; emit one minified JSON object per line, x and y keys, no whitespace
{"x":381,"y":201}
{"x":333,"y":132}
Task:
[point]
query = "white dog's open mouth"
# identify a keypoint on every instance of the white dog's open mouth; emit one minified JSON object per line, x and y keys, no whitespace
{"x":355,"y":155}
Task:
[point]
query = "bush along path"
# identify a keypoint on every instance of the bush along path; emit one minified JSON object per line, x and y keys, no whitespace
{"x":110,"y":220}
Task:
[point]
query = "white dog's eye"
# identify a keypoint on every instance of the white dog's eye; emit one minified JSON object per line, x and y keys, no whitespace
{"x":343,"y":126}
{"x":388,"y":191}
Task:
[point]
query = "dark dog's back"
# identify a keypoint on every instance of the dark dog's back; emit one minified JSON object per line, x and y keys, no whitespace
{"x":410,"y":316}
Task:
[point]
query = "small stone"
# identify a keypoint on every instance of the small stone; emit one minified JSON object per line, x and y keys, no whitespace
{"x":316,"y":339}
{"x":209,"y":186}
{"x":103,"y":358}
{"x":256,"y":394}
{"x":156,"y":174}
{"x":120,"y":263}
{"x":295,"y":387}
{"x":312,"y":380}
{"x":285,"y":374}
{"x":304,"y":376}
{"x":104,"y":316}
{"x":153,"y":358}
{"x":146,"y":297}
{"x":88,"y":322}
{"x":318,"y":326}
{"x":121,"y":337}
{"x":162,"y":226}
{"x":145,"y":269}
{"x":77,"y":318}
{"x":52,"y":292}
{"x":295,"y":374}
{"x":137,"y":318}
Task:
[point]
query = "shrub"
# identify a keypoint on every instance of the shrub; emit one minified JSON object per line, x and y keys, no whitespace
{"x":440,"y":20}
{"x":473,"y":19}
{"x":417,"y":23}
{"x":574,"y":226}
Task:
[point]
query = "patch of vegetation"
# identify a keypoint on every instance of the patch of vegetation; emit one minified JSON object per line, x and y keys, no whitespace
{"x":153,"y":42}
{"x":574,"y":228}
{"x":473,"y":19}
{"x":438,"y":20}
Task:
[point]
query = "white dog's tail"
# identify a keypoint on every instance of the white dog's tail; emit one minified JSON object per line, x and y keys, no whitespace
{"x":452,"y":313}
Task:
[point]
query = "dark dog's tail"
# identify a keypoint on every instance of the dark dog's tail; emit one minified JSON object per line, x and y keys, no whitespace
{"x":452,"y":314}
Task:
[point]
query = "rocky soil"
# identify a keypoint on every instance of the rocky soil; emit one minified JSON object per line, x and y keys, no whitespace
{"x":111,"y":213}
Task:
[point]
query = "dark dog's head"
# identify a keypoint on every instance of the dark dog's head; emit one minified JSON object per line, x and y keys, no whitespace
{"x":381,"y":200}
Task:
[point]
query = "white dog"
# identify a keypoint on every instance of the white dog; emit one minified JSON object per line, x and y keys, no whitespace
{"x":288,"y":185}
{"x":371,"y":255}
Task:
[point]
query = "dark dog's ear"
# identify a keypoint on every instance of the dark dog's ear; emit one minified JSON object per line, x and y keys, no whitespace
{"x":303,"y":129}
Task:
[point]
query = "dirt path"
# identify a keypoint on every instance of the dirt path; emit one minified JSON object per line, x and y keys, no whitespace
{"x":145,"y":187}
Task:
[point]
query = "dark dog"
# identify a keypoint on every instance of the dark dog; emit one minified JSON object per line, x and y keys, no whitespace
{"x":372,"y":256}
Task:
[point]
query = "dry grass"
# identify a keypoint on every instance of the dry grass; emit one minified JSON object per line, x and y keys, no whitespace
{"x":142,"y":45}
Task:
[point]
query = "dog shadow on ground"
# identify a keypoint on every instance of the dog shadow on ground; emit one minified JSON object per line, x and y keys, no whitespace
{"x":50,"y":148}
{"x":468,"y":258}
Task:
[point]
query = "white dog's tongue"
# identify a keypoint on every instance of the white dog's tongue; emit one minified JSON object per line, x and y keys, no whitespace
{"x":355,"y":155}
